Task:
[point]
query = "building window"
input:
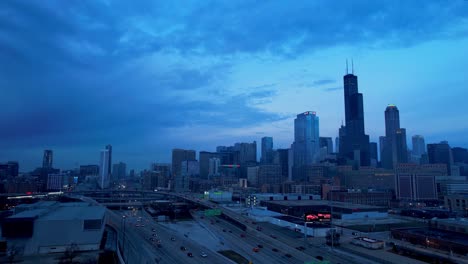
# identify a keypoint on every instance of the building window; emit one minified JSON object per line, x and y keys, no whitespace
{"x":94,"y":224}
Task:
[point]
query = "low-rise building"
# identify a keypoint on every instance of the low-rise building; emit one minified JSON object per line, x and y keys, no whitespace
{"x":51,"y":227}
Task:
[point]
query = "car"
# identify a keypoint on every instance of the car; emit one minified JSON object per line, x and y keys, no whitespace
{"x":217,"y":221}
{"x":203,"y":255}
{"x":259,"y":228}
{"x":224,"y":230}
{"x":254,"y":223}
{"x":202,"y":217}
{"x":260,"y":246}
{"x":274,"y":249}
{"x":154,"y":235}
{"x":242,"y":235}
{"x":190,"y":254}
{"x":183,"y":248}
{"x":255,"y":249}
{"x":172,"y":238}
{"x":137,"y":225}
{"x":154,"y":230}
{"x":230,"y":231}
{"x":319,"y":258}
{"x":273,"y":236}
{"x":152,"y":238}
{"x":288,"y":255}
{"x":301,"y":248}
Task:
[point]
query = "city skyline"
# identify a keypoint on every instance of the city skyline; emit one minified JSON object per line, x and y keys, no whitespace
{"x":99,"y":87}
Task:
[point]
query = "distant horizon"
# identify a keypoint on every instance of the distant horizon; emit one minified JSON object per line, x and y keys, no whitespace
{"x":148,"y":78}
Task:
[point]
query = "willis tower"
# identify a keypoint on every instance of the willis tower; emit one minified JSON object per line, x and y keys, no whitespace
{"x":354,"y":143}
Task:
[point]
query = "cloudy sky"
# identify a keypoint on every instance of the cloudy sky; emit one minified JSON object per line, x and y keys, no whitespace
{"x":148,"y":76}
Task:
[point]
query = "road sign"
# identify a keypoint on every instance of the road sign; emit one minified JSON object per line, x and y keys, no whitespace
{"x":212,"y":212}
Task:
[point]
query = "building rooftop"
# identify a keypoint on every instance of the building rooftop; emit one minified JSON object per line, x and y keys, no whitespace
{"x":48,"y":210}
{"x":323,"y":203}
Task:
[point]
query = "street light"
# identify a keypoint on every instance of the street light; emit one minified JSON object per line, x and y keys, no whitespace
{"x":124,"y":217}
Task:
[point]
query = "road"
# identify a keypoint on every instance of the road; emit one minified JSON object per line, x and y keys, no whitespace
{"x":169,"y":252}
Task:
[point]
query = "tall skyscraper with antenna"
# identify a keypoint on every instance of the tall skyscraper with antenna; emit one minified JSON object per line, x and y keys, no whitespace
{"x":354,"y":143}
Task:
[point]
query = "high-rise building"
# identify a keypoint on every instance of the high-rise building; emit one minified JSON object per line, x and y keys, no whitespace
{"x":204,"y":159}
{"x":460,"y":155}
{"x":326,"y":142}
{"x":247,"y":152}
{"x":419,"y":146}
{"x":441,"y":153}
{"x":9,"y":169}
{"x":47,"y":159}
{"x":354,"y":143}
{"x":337,"y":145}
{"x":119,"y":171}
{"x":179,"y":156}
{"x":282,"y":158}
{"x":213,"y":168}
{"x":270,"y":178}
{"x":189,"y":169}
{"x":394,"y":149}
{"x":104,"y":175}
{"x":306,"y":142}
{"x":267,"y":150}
{"x":109,"y":149}
{"x":373,"y":153}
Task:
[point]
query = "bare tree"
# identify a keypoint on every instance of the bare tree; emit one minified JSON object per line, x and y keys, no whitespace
{"x":12,"y":253}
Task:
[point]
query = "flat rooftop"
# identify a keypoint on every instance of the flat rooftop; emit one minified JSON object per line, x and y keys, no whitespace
{"x":46,"y":211}
{"x":324,"y":203}
{"x":455,"y":237}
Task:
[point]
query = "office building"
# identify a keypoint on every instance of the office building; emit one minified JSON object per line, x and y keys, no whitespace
{"x":109,"y":166}
{"x":104,"y":175}
{"x":326,"y":142}
{"x":213,"y":168}
{"x":441,"y":153}
{"x":89,"y":170}
{"x":416,"y":182}
{"x":189,"y":169}
{"x":47,"y":159}
{"x":9,"y":170}
{"x":354,"y":143}
{"x":394,"y":148}
{"x":267,"y":150}
{"x":58,"y":181}
{"x":204,"y":159}
{"x":373,"y":153}
{"x":282,"y":158}
{"x":419,"y":146}
{"x":460,"y":155}
{"x":270,"y":178}
{"x":306,"y":141}
{"x":178,"y":156}
{"x":119,"y":171}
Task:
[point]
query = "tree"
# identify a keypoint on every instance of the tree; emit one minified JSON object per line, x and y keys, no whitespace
{"x":70,"y":253}
{"x":12,"y":253}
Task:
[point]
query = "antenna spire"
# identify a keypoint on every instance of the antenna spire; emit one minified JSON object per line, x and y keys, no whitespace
{"x":346,"y":66}
{"x":352,"y":66}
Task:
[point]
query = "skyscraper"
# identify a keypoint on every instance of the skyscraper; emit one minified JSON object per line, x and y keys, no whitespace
{"x":109,"y":149}
{"x":373,"y":153}
{"x":326,"y":142}
{"x":47,"y":159}
{"x":394,"y":149}
{"x":119,"y":171}
{"x":441,"y":153}
{"x":419,"y":146}
{"x":178,"y":156}
{"x":306,"y":141}
{"x":267,"y":150}
{"x":104,"y":174}
{"x":354,"y":143}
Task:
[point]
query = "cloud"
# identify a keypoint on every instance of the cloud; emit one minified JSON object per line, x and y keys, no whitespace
{"x":89,"y":72}
{"x":332,"y":89}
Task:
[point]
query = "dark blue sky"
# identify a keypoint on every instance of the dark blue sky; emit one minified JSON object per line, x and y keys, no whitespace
{"x":149,"y":76}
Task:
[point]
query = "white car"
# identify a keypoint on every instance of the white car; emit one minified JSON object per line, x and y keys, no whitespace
{"x":203,"y":255}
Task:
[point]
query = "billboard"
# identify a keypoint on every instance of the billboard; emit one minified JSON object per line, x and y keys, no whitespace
{"x":317,"y":217}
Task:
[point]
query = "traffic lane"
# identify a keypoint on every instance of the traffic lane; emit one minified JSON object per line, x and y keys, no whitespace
{"x":193,"y":247}
{"x":322,"y":250}
{"x":233,"y":234}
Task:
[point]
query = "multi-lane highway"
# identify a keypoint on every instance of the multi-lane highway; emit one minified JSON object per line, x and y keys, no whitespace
{"x":138,"y":234}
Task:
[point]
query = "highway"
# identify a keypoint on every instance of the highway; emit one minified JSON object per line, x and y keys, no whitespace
{"x":170,"y":251}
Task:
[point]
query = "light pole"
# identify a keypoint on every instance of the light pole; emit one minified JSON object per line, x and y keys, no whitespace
{"x":123,"y":244}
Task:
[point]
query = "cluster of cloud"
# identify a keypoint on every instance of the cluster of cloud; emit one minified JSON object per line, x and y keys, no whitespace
{"x":91,"y":72}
